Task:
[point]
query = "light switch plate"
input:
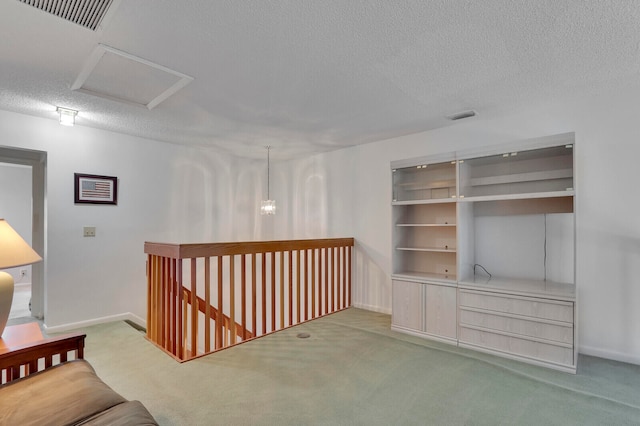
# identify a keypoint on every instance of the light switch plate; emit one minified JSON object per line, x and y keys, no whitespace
{"x":89,"y":231}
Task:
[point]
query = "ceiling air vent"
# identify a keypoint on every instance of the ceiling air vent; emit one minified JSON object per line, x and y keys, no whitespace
{"x":461,"y":115}
{"x":88,"y":13}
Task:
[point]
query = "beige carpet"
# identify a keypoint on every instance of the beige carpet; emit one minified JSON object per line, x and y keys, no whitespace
{"x":354,"y":371}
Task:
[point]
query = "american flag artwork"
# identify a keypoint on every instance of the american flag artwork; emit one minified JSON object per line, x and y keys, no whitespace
{"x":95,"y":189}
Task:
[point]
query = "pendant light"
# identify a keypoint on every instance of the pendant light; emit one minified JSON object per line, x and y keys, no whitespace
{"x":268,"y":206}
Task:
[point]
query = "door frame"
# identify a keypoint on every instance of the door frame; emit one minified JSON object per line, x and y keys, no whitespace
{"x":38,"y":162}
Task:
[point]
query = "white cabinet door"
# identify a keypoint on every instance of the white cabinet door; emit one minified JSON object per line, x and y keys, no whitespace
{"x":407,"y":304}
{"x":441,"y":310}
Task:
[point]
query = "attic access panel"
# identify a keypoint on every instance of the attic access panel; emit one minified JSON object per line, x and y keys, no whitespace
{"x":120,"y":76}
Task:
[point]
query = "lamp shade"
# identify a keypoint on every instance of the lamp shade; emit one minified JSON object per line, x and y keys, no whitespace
{"x":14,"y":251}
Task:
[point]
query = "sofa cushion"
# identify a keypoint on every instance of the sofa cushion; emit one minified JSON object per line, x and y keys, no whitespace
{"x":65,"y":394}
{"x":130,"y":413}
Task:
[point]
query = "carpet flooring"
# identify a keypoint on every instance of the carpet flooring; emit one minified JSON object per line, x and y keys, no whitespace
{"x":353,"y":370}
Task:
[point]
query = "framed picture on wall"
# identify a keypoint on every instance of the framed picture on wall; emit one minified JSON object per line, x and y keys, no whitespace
{"x":95,"y":189}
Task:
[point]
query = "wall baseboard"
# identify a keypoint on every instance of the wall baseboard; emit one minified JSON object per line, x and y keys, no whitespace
{"x":75,"y":325}
{"x":372,"y":308}
{"x":607,"y":354}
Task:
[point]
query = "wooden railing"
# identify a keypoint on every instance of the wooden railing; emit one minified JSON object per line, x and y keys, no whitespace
{"x":39,"y":355}
{"x":206,"y":297}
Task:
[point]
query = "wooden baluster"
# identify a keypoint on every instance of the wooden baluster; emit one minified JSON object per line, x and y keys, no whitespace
{"x":326,"y":281}
{"x":149,"y":293}
{"x":185,"y":326}
{"x":154,"y":301}
{"x":264,"y":295}
{"x":273,"y":290}
{"x":162,"y":298}
{"x":243,"y":295}
{"x":343,"y":255}
{"x":253,"y":294}
{"x":339,"y":287}
{"x":307,"y":297}
{"x":166,"y":292}
{"x":179,"y":314}
{"x":282,"y":309}
{"x":290,"y":287}
{"x":298,"y":298}
{"x":349,"y":251}
{"x":232,"y":300}
{"x":207,"y":304}
{"x":307,"y":290}
{"x":173,"y":308}
{"x":220,"y":314}
{"x":321,"y":288}
{"x":333,"y":279}
{"x":159,"y":301}
{"x":194,"y":309}
{"x":313,"y":283}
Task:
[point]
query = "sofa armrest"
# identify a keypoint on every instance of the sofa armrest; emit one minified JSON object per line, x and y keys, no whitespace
{"x":36,"y":356}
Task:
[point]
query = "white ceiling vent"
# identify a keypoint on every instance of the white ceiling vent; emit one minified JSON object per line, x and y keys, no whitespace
{"x":117,"y":75}
{"x":462,"y":114}
{"x":87,"y":13}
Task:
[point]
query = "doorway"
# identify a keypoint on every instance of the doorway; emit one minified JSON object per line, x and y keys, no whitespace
{"x":36,"y":161}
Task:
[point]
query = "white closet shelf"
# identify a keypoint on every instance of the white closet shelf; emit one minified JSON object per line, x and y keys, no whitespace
{"x":522,"y":177}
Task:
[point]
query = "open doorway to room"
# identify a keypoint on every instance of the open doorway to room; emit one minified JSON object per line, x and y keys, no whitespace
{"x":15,"y":208}
{"x":22,"y":203}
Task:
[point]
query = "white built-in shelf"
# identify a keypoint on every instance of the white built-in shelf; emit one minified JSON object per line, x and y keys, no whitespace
{"x":520,"y":286}
{"x":569,"y":192}
{"x":429,"y":201}
{"x":435,"y":225}
{"x":428,"y":249}
{"x":418,"y":186}
{"x":493,"y":206}
{"x":522,"y":177}
{"x":445,"y":279}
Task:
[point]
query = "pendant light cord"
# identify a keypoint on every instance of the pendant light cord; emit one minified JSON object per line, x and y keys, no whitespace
{"x":268,"y":170}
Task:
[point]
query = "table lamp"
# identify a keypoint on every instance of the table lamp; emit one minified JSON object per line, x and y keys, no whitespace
{"x":14,"y":252}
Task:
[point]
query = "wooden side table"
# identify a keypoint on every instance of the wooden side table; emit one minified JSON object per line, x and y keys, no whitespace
{"x":18,"y":335}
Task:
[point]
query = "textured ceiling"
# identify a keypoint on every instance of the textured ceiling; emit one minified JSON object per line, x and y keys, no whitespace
{"x":312,"y":76}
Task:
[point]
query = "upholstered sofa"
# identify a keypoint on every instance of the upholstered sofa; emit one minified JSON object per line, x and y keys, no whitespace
{"x":36,"y":392}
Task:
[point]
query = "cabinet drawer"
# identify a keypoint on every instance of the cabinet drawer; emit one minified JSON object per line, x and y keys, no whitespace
{"x":519,"y":305}
{"x":517,"y":346}
{"x":545,"y":329}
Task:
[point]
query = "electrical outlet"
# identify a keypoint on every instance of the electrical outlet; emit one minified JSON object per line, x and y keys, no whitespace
{"x":89,"y":231}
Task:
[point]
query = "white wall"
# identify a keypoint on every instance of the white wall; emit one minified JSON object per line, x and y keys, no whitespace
{"x":166,"y":193}
{"x":608,"y":224}
{"x":15,"y":207}
{"x":172,"y":193}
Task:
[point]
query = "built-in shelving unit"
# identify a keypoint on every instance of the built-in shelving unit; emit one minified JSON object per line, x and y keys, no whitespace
{"x":435,"y":181}
{"x":484,"y":250}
